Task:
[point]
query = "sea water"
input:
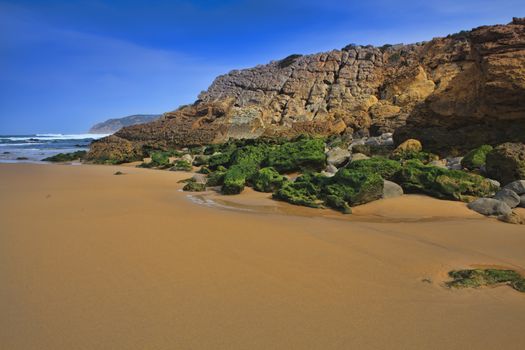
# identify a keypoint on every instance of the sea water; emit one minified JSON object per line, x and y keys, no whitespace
{"x":35,"y":147}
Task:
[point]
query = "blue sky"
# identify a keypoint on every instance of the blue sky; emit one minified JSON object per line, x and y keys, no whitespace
{"x":65,"y":65}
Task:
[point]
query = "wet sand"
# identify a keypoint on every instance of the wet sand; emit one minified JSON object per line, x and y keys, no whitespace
{"x":89,"y":260}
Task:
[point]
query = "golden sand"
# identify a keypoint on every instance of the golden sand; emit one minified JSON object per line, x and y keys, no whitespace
{"x":89,"y":260}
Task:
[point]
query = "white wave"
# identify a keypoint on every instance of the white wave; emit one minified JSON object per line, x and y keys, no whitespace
{"x":21,"y":144}
{"x":69,"y":136}
{"x":50,"y":137}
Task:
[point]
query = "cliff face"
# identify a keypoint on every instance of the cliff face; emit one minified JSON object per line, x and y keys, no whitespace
{"x":451,"y":93}
{"x":112,"y":125}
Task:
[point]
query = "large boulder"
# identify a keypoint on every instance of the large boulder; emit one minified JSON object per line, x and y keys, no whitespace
{"x":490,"y":206}
{"x":114,"y":149}
{"x":522,"y":201}
{"x":506,"y":163}
{"x":508,"y":196}
{"x":391,"y":189}
{"x":517,"y":186}
{"x":415,"y":176}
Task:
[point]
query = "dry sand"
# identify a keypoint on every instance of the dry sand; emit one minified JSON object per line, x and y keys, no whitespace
{"x":89,"y":260}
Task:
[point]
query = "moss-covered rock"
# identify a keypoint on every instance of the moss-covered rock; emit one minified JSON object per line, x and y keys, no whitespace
{"x":216,"y":178}
{"x":301,"y":154}
{"x":443,"y":183}
{"x":476,"y":158}
{"x":200,"y":160}
{"x":354,"y":186}
{"x":385,"y":168}
{"x":66,"y":157}
{"x":234,"y":180}
{"x":192,"y":186}
{"x":267,"y":180}
{"x":181,"y":165}
{"x":486,"y":277}
{"x":246,"y":162}
{"x":346,"y":188}
{"x":305,"y":190}
{"x":506,"y":163}
{"x":219,"y":159}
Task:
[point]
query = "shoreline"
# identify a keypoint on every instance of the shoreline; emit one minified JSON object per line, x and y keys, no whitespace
{"x":92,"y":260}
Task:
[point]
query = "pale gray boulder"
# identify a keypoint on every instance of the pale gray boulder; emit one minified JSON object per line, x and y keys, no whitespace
{"x":517,"y":186}
{"x":391,"y":189}
{"x":337,"y":156}
{"x":508,"y":196}
{"x":490,"y":206}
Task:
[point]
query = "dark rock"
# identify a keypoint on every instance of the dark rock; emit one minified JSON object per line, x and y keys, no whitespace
{"x":506,"y":163}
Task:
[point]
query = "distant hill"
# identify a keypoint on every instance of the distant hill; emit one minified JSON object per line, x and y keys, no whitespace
{"x":113,"y":125}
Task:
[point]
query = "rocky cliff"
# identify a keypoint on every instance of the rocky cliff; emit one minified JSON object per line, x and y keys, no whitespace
{"x":112,"y":125}
{"x":452,"y":93}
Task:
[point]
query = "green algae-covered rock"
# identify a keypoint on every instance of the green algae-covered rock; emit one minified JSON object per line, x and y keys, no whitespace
{"x":267,"y":180}
{"x":443,"y":183}
{"x":476,"y":158}
{"x":486,"y":277}
{"x":215,"y":178}
{"x":246,"y":162}
{"x":65,"y":157}
{"x":305,"y":190}
{"x":304,"y":153}
{"x":193,"y":186}
{"x":385,"y":168}
{"x":182,"y":165}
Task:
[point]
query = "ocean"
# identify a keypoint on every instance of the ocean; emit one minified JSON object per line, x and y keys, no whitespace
{"x":34,"y":148}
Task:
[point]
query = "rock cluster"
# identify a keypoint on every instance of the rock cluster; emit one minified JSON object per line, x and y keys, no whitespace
{"x":501,"y":205}
{"x":453,"y":93}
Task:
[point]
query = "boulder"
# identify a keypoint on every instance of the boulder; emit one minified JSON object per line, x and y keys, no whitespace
{"x":506,"y":163}
{"x":508,"y":196}
{"x":337,"y":156}
{"x":495,"y":183}
{"x":512,"y":218}
{"x":391,"y":189}
{"x":359,"y":156}
{"x":522,"y":201}
{"x":490,"y":206}
{"x":114,"y":149}
{"x":199,"y":178}
{"x":188,"y":158}
{"x":517,"y":186}
{"x":410,"y":145}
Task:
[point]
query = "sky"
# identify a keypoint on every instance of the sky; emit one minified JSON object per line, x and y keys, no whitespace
{"x":65,"y":65}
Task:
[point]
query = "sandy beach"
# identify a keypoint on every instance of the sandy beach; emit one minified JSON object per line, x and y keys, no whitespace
{"x":89,"y":260}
